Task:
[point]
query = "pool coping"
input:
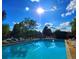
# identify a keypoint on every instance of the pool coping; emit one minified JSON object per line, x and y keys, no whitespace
{"x":67,"y":51}
{"x":28,"y":40}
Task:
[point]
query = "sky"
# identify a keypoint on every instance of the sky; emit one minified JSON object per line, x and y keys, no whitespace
{"x":56,"y":13}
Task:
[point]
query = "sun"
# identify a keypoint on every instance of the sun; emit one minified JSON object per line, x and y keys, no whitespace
{"x":40,"y":10}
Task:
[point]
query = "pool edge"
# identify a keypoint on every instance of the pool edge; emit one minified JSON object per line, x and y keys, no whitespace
{"x":67,"y":50}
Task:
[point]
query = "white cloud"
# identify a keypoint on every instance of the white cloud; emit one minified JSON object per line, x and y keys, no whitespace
{"x":27,"y":8}
{"x":49,"y":24}
{"x":15,"y":22}
{"x":38,"y":25}
{"x":54,"y":8}
{"x":34,"y":0}
{"x":62,"y":14}
{"x":71,"y":7}
{"x":68,"y":13}
{"x":39,"y":30}
{"x":67,"y":30}
{"x":65,"y":26}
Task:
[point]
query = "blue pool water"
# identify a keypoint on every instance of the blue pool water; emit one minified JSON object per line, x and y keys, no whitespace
{"x":42,"y":49}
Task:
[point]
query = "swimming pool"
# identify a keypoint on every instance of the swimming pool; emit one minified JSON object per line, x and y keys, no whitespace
{"x":41,"y":49}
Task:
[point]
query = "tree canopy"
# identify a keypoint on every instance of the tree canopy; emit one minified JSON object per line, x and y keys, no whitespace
{"x":5,"y":30}
{"x":3,"y":14}
{"x":29,"y":23}
{"x":46,"y":31}
{"x":24,"y":29}
{"x":73,"y":26}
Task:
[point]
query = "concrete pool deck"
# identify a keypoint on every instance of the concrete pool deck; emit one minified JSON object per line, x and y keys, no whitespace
{"x":70,"y":49}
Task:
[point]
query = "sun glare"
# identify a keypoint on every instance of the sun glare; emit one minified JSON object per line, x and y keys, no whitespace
{"x":40,"y":10}
{"x":27,"y":8}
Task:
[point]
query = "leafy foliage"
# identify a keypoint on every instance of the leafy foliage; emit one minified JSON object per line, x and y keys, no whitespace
{"x":62,"y":34}
{"x":24,"y":29}
{"x":47,"y":31}
{"x":73,"y":25}
{"x":29,"y":23}
{"x":3,"y":14}
{"x":5,"y":30}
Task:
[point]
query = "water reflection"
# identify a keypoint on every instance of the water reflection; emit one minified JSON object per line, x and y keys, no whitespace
{"x":21,"y":50}
{"x":50,"y":44}
{"x":14,"y":51}
{"x":54,"y":43}
{"x":18,"y":51}
{"x":39,"y":44}
{"x":60,"y":43}
{"x":6,"y":53}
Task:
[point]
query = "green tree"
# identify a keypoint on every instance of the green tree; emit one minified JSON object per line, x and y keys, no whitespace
{"x":5,"y":30}
{"x":24,"y":29}
{"x":3,"y":14}
{"x":61,"y":34}
{"x":73,"y":25}
{"x":5,"y":27}
{"x":16,"y":31}
{"x":29,"y":23}
{"x":47,"y":31}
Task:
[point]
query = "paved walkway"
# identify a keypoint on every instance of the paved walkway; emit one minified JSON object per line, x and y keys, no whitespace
{"x":72,"y":48}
